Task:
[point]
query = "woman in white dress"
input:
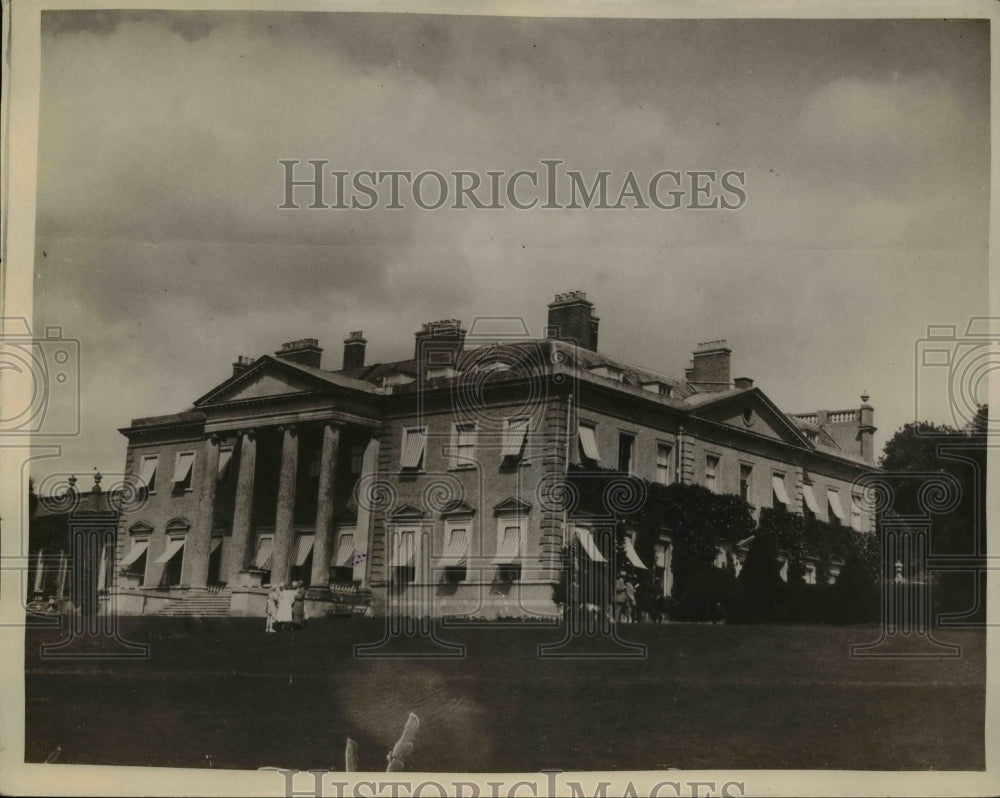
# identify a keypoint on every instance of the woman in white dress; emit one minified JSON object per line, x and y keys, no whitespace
{"x":286,"y":598}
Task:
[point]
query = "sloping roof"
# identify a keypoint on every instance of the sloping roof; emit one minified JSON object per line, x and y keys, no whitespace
{"x":320,"y":377}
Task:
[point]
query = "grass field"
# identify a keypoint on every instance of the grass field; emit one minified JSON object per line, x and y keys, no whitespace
{"x":224,"y":694}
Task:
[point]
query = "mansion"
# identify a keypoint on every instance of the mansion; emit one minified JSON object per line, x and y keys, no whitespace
{"x":430,"y":481}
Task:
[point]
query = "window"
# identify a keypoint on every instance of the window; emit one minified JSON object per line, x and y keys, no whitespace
{"x":463,"y":446}
{"x":357,"y":460}
{"x":135,"y":561}
{"x":811,"y":509}
{"x":509,"y":549}
{"x":857,"y":520}
{"x":515,"y":431}
{"x":626,"y":445}
{"x":663,"y":457}
{"x":301,"y":558}
{"x":746,"y":475}
{"x":147,"y":472}
{"x":172,"y":561}
{"x":342,"y":566}
{"x":779,"y":496}
{"x":454,"y":559}
{"x":262,"y":557}
{"x":403,"y":562}
{"x":589,"y":452}
{"x":183,"y":467}
{"x":837,"y":515}
{"x":225,"y":464}
{"x":414,"y":443}
{"x":711,"y":472}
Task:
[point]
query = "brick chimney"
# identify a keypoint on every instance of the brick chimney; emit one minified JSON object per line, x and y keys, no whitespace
{"x":571,"y":318}
{"x":354,"y":350}
{"x":242,"y":363}
{"x":709,"y":369}
{"x":439,"y":343}
{"x":305,"y":351}
{"x":743,"y":383}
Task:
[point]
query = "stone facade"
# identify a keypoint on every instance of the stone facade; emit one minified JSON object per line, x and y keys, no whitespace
{"x":429,"y":483}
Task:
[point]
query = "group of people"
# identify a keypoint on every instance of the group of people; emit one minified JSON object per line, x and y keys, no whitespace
{"x":625,"y":600}
{"x":286,"y":607}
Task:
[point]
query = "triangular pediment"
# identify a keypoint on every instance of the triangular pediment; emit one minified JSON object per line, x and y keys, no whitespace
{"x":752,"y":412}
{"x":511,"y":506}
{"x":407,"y":511}
{"x":267,"y":377}
{"x":458,"y":508}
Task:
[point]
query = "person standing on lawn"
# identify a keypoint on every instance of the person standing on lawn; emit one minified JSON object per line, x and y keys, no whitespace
{"x":620,"y":597}
{"x":298,"y":605}
{"x":286,"y":597}
{"x":630,"y":615}
{"x":272,"y":607}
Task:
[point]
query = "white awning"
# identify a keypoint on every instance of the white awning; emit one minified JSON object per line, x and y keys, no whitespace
{"x":185,"y":460}
{"x":413,"y":448}
{"x":456,"y":548}
{"x":587,"y":541}
{"x":216,"y":542}
{"x":137,"y":550}
{"x":589,"y":443}
{"x":834,"y":499}
{"x":405,"y":553}
{"x":509,"y":551}
{"x":225,"y":458}
{"x":632,"y":555}
{"x":778,"y":483}
{"x":148,"y":472}
{"x":345,"y":551}
{"x":174,"y":546}
{"x":303,"y":547}
{"x":810,"y":497}
{"x":513,"y":437}
{"x":263,"y":558}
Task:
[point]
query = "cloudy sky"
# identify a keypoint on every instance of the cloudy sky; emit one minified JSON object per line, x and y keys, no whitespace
{"x":160,"y":244}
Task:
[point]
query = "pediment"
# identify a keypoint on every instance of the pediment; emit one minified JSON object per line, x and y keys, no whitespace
{"x":407,"y":511}
{"x":512,"y":506}
{"x":265,"y":379}
{"x":458,"y":508}
{"x":752,"y":412}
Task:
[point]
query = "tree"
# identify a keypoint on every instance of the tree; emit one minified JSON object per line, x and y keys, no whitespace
{"x":912,"y":457}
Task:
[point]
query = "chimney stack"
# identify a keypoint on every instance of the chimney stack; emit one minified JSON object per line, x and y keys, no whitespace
{"x":709,"y":369}
{"x":305,"y":351}
{"x":571,"y":318}
{"x":743,"y":383}
{"x":243,"y":362}
{"x":439,"y":343}
{"x":354,"y":350}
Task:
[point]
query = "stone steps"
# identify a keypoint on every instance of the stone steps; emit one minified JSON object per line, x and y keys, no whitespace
{"x":200,"y":605}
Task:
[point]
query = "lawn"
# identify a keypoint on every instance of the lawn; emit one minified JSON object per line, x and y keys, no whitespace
{"x":221,"y":693}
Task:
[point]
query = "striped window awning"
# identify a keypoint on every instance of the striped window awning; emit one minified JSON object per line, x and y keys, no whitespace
{"x":586,"y":539}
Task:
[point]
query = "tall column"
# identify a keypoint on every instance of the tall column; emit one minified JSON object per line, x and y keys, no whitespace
{"x":285,"y":516}
{"x":363,"y":536}
{"x":324,"y":506}
{"x":243,"y":510}
{"x":199,"y":540}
